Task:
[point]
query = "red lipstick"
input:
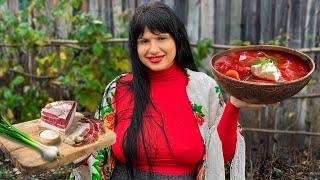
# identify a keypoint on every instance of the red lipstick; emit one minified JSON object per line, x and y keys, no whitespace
{"x":155,"y":59}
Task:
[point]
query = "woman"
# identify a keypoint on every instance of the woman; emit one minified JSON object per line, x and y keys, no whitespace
{"x":170,"y":120}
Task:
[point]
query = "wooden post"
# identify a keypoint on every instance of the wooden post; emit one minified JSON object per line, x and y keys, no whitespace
{"x":266,"y":19}
{"x":220,"y":21}
{"x":193,"y":20}
{"x":294,"y":24}
{"x":207,"y":19}
{"x":235,"y":20}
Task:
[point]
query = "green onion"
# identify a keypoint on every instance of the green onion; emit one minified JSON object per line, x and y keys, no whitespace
{"x":9,"y":131}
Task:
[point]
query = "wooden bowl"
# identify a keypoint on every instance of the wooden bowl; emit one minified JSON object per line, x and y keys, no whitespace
{"x":260,"y":92}
{"x":50,"y":137}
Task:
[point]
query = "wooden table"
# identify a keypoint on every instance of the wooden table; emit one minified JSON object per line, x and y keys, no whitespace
{"x":29,"y":161}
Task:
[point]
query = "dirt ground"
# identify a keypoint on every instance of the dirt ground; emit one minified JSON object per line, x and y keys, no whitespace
{"x":283,"y":158}
{"x":272,"y":161}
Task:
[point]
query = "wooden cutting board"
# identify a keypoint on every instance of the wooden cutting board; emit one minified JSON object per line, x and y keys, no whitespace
{"x":29,"y":161}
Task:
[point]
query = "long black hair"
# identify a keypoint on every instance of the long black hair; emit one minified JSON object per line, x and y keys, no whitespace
{"x":157,"y":17}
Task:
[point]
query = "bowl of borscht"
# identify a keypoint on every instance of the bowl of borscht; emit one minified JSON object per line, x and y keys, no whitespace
{"x":262,"y":74}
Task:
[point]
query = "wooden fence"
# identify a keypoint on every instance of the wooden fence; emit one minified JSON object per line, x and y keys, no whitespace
{"x":294,"y":23}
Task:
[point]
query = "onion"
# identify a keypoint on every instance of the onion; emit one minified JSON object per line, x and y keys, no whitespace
{"x":8,"y":130}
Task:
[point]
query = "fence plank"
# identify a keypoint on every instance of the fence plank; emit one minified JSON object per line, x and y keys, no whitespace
{"x":294,"y":29}
{"x":266,"y":20}
{"x":193,"y":20}
{"x":219,"y":21}
{"x":250,"y":20}
{"x":227,"y":22}
{"x":310,"y":24}
{"x":169,"y":3}
{"x":318,"y":23}
{"x":181,"y":9}
{"x":206,"y":19}
{"x":235,"y":20}
{"x":281,"y":17}
{"x":303,"y":25}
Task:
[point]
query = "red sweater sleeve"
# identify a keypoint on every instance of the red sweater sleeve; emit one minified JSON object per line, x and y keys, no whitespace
{"x":227,"y":130}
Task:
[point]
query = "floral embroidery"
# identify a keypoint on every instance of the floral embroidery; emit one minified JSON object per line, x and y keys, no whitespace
{"x":98,"y":165}
{"x":188,"y":75}
{"x":239,"y":128}
{"x":108,"y":120}
{"x":104,"y":159}
{"x":198,"y":114}
{"x":219,"y":92}
{"x":110,"y":164}
{"x":199,"y":118}
{"x":107,"y":113}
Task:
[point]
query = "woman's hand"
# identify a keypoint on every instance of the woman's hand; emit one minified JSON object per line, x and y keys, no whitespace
{"x":241,"y":104}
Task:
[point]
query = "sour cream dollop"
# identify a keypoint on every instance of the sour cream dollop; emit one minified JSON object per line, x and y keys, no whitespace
{"x":266,"y":71}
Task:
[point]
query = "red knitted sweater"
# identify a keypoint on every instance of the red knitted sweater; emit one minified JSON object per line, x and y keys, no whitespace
{"x":181,"y":148}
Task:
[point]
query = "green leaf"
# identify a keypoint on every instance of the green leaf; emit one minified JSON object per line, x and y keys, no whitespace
{"x":96,"y":165}
{"x":2,"y":1}
{"x":7,"y":94}
{"x":271,"y":57}
{"x":100,"y":152}
{"x":76,"y":3}
{"x":265,"y":60}
{"x":218,"y":89}
{"x":24,"y":25}
{"x":97,"y":22}
{"x":17,"y":80}
{"x":97,"y":48}
{"x":198,"y":108}
{"x":108,"y":149}
{"x":100,"y":157}
{"x":109,"y":101}
{"x":107,"y":110}
{"x":262,"y":61}
{"x":96,"y":176}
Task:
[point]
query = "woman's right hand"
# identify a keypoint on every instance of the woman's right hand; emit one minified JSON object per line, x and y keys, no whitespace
{"x":241,"y":104}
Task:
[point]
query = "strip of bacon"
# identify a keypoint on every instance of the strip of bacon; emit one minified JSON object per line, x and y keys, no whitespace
{"x":89,"y":129}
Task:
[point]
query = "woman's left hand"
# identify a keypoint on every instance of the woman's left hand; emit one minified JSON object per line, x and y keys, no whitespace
{"x":241,"y":104}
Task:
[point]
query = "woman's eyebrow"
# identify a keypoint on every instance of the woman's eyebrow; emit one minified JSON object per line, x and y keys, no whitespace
{"x":164,"y":34}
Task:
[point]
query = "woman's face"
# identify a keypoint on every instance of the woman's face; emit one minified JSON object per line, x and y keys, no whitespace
{"x":156,"y":51}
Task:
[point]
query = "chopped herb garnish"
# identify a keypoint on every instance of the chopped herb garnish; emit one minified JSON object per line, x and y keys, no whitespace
{"x":265,"y":60}
{"x":262,"y":61}
{"x":247,"y":77}
{"x":270,"y":57}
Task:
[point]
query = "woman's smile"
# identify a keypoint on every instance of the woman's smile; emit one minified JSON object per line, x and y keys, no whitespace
{"x":155,"y":59}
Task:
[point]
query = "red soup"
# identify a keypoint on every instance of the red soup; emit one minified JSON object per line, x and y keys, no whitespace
{"x":238,"y":65}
